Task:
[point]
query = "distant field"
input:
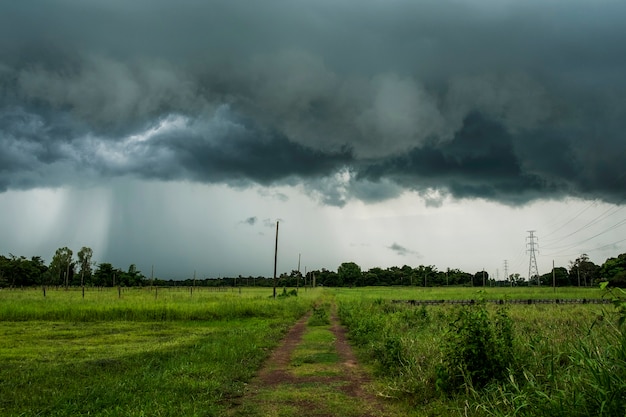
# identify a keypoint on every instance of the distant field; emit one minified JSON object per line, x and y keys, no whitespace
{"x":468,"y":293}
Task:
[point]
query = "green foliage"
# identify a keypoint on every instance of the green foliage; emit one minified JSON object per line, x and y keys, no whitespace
{"x":349,"y":273}
{"x":61,"y":266}
{"x":320,"y":315}
{"x":84,"y":262}
{"x":477,"y":349}
{"x":290,"y":293}
{"x":17,"y":271}
{"x":614,"y":270}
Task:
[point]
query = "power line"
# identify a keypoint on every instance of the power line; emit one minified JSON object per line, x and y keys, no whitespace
{"x":573,"y":245}
{"x":597,"y":219}
{"x":593,"y":203}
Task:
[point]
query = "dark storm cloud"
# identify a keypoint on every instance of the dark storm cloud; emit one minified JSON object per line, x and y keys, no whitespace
{"x":509,"y":101}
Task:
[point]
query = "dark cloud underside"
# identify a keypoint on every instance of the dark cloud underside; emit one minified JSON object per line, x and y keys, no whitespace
{"x":506,"y":101}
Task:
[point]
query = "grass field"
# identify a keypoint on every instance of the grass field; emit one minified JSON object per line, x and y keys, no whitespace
{"x":490,"y":360}
{"x":142,"y":352}
{"x":467,"y":293}
{"x":179,"y":354}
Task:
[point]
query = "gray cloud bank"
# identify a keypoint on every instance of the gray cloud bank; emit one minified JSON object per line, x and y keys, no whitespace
{"x":509,"y":101}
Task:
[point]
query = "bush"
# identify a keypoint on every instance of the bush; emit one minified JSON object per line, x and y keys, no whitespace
{"x":477,"y":349}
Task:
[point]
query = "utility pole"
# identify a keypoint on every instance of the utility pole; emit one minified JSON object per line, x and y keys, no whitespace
{"x":553,"y":277}
{"x":298,"y":277}
{"x":275,"y":258}
{"x":533,"y":270}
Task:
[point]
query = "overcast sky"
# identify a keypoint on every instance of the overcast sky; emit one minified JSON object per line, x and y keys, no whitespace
{"x":176,"y":134}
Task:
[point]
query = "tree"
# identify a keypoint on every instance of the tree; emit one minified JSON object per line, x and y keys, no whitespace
{"x":104,"y":275}
{"x":349,"y":273}
{"x":516,"y":280}
{"x":84,"y":262}
{"x":480,"y":278}
{"x":583,"y":271}
{"x":132,"y":278}
{"x":326,"y":278}
{"x":426,"y":275}
{"x":614,"y":270}
{"x":61,"y":266}
{"x":560,"y":276}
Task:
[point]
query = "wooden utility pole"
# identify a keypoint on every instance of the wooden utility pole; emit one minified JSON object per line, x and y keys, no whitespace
{"x":275,"y":257}
{"x":298,"y":276}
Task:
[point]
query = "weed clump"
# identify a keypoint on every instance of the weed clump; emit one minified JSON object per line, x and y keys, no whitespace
{"x":320,"y":316}
{"x":477,"y":349}
{"x":290,"y":293}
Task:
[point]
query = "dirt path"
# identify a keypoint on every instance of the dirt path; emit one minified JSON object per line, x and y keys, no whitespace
{"x":314,"y":372}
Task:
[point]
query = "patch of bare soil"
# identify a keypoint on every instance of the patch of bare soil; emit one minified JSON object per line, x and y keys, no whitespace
{"x":351,"y":380}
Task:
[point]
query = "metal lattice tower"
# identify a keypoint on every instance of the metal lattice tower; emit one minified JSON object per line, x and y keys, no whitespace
{"x":506,"y":270}
{"x":533,"y":270}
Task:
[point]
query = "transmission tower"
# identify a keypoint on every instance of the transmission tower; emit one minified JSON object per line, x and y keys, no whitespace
{"x":506,"y":271}
{"x":533,"y":270}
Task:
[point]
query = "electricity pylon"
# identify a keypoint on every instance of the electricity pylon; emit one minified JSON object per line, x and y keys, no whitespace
{"x":533,"y":270}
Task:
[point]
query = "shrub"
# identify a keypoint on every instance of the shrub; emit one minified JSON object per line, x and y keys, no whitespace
{"x":477,"y":348}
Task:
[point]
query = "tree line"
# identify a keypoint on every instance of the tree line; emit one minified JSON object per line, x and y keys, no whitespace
{"x":67,"y":270}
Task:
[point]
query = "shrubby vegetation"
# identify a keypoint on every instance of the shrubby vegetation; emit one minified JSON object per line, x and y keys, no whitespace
{"x":495,"y":360}
{"x":477,"y":348}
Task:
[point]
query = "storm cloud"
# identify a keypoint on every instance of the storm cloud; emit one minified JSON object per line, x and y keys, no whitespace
{"x":506,"y":101}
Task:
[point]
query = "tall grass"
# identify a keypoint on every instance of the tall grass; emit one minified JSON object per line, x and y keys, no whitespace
{"x":562,"y":360}
{"x":144,"y":305}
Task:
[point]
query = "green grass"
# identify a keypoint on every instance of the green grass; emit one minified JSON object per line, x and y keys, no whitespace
{"x":171,"y":352}
{"x":404,"y":344}
{"x":467,"y":293}
{"x":316,"y":355}
{"x":176,"y":355}
{"x":140,"y":304}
